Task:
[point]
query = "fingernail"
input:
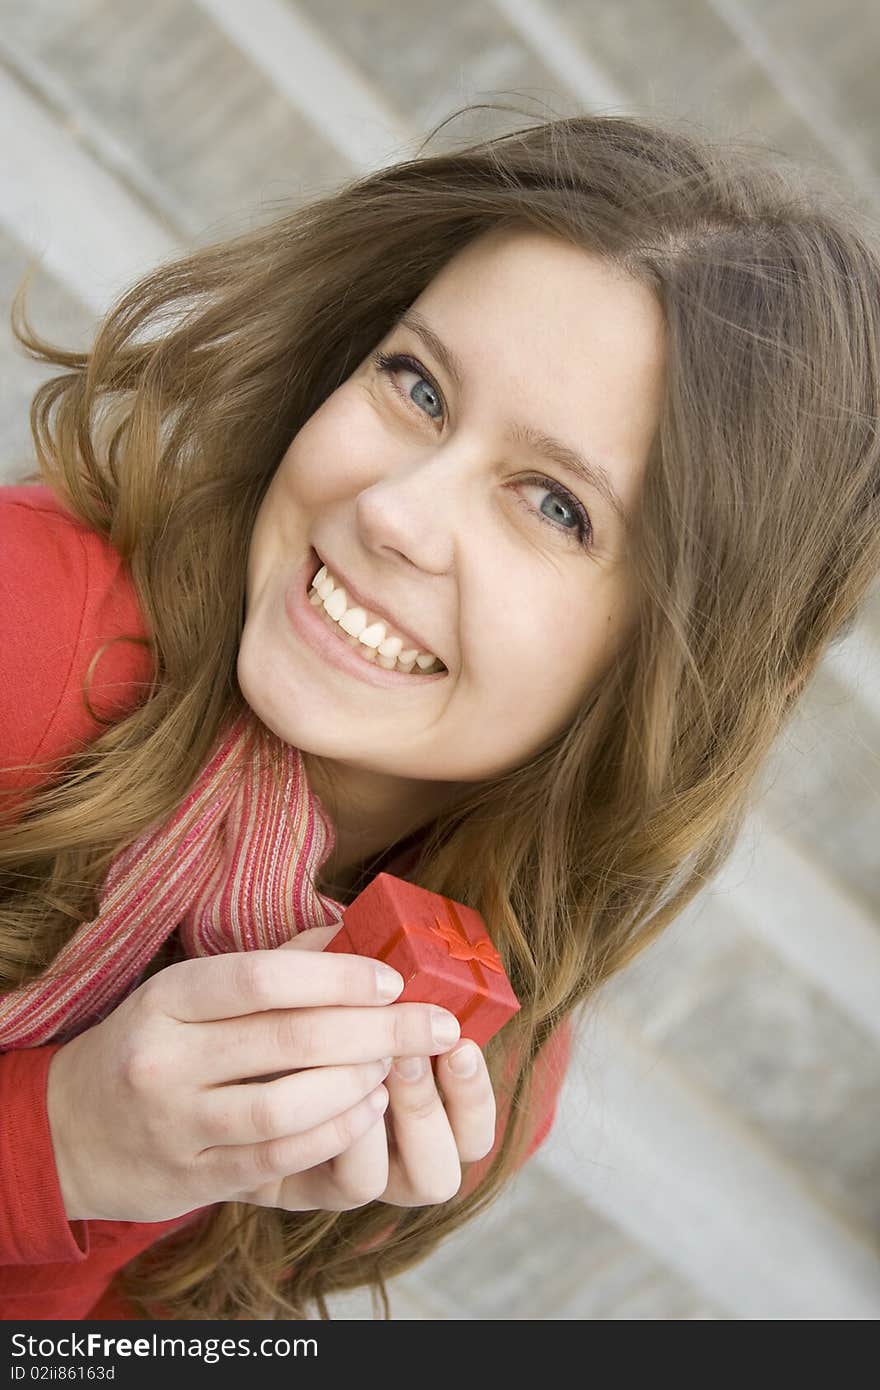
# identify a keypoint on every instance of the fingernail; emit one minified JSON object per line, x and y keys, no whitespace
{"x":379,"y":1099}
{"x":389,"y":982}
{"x":444,"y":1028}
{"x":463,"y":1062}
{"x":410,"y":1068}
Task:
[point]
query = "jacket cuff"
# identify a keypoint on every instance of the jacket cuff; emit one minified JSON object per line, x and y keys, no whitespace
{"x":34,"y":1228}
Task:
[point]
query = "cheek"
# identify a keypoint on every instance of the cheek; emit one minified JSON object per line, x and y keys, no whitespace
{"x":331,"y":454}
{"x":263,"y":541}
{"x":524,"y":652}
{"x":525,"y":606}
{"x":541,"y":664}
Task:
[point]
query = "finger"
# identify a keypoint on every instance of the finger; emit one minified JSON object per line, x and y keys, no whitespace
{"x":239,"y":1169}
{"x":286,"y":1039}
{"x":237,"y":983}
{"x":469,"y":1101}
{"x":424,"y":1168}
{"x":312,"y":939}
{"x":252,"y":1112}
{"x":357,"y":1175}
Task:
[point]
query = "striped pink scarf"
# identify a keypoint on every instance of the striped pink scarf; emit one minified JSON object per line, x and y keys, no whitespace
{"x":234,"y":868}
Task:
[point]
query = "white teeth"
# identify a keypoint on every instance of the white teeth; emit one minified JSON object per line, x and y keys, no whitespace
{"x":371,"y":641}
{"x":372,"y":635}
{"x":353,"y":621}
{"x":336,"y":604}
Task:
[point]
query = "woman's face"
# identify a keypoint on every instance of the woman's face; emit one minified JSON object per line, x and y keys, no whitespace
{"x":424,"y":500}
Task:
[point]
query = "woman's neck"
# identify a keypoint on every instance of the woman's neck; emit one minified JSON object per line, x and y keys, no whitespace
{"x":370,"y":813}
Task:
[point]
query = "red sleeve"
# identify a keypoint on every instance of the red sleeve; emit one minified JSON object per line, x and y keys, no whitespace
{"x":33,"y":1223}
{"x":64,"y":591}
{"x":551,"y":1067}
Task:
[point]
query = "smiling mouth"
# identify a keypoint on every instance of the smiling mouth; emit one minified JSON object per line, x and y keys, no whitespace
{"x":392,"y":658}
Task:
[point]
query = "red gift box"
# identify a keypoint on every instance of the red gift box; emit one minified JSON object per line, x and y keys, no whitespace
{"x":440,"y":947}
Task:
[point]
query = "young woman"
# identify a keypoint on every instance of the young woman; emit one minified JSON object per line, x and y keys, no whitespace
{"x":480,"y":522}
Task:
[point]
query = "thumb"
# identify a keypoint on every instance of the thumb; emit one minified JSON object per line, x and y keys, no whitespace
{"x":313,"y":939}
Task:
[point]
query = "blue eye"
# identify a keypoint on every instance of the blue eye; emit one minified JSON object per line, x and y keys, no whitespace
{"x":582,"y":530}
{"x":389,"y":363}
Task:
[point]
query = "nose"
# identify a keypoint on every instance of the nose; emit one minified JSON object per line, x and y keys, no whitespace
{"x":413,"y":512}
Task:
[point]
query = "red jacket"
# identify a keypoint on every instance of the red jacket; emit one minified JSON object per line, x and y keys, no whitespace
{"x":63,"y":592}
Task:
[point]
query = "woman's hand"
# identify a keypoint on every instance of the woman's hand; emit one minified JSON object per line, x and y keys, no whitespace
{"x":415,"y":1159}
{"x":429,"y":1142}
{"x":165,"y":1105}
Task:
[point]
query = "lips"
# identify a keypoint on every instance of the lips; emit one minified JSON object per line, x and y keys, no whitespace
{"x":313,"y":628}
{"x":358,"y":598}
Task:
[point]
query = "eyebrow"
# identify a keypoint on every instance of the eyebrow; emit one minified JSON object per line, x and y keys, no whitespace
{"x":593,"y":474}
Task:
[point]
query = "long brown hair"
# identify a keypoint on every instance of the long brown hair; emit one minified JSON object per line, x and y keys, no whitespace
{"x":756,"y":542}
